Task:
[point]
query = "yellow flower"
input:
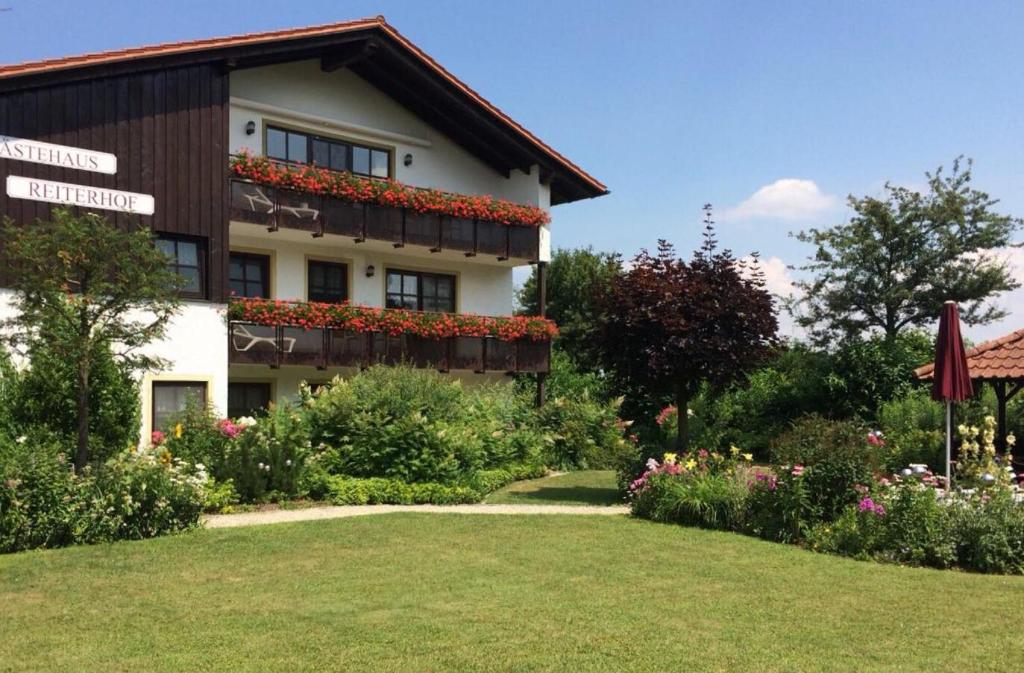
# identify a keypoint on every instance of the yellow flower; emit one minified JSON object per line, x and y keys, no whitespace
{"x":748,"y":457}
{"x":177,"y":431}
{"x":1011,"y":440}
{"x":690,"y":464}
{"x":734,"y":450}
{"x":670,"y":458}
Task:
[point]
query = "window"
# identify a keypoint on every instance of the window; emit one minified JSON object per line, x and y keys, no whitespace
{"x":249,"y":275}
{"x":420,"y":291}
{"x":327,"y":282}
{"x":171,"y":397}
{"x":303,"y":148}
{"x":246,"y":398}
{"x":187,"y":257}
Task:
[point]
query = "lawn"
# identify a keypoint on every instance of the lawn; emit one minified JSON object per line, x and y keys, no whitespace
{"x":420,"y":592}
{"x":588,"y":487}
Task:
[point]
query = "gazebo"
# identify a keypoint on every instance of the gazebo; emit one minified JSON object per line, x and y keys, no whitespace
{"x":1000,"y":363}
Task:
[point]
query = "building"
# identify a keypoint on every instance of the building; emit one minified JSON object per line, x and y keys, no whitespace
{"x":199,"y":124}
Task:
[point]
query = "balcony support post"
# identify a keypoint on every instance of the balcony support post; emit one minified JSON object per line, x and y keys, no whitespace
{"x":542,"y":300}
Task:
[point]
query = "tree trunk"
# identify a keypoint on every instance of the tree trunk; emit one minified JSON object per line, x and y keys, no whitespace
{"x":82,"y":450}
{"x":682,"y":419}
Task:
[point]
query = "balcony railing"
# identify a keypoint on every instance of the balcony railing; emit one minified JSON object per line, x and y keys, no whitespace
{"x":323,"y":347}
{"x":276,"y":208}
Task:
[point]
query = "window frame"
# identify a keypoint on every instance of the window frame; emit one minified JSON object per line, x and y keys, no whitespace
{"x":201,"y":266}
{"x":420,"y":275}
{"x":265,"y":262}
{"x":330,"y":263}
{"x":171,"y":383}
{"x":267,"y":385}
{"x":349,"y":145}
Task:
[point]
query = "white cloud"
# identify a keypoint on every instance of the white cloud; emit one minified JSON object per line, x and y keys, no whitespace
{"x":790,"y":199}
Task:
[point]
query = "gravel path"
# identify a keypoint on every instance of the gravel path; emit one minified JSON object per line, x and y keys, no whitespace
{"x":317,"y":513}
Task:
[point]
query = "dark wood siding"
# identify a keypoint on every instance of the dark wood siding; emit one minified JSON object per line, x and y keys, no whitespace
{"x":168,"y":129}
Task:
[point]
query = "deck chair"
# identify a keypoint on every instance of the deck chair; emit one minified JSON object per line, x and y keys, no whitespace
{"x":241,"y":331}
{"x":256,"y":197}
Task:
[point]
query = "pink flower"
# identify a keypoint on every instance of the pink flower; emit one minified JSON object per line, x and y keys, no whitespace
{"x":868,"y":505}
{"x":665,"y":415}
{"x":797,"y":470}
{"x":157,"y":438}
{"x":229,"y":429}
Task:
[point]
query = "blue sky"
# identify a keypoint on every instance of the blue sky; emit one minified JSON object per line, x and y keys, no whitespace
{"x":773,"y":112}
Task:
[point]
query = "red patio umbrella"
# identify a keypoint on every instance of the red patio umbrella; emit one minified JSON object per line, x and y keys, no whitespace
{"x":951,"y":381}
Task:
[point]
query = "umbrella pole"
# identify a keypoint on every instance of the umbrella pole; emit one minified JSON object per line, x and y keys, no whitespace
{"x":949,"y":439}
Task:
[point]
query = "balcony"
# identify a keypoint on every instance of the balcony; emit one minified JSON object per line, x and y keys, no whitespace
{"x":259,"y":198}
{"x":263,"y":332}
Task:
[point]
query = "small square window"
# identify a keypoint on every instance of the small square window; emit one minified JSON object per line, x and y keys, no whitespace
{"x":249,"y":275}
{"x":247,"y":398}
{"x":327,"y":282}
{"x":187,"y":257}
{"x":171,"y":398}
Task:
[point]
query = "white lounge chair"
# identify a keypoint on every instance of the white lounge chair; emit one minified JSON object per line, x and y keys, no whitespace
{"x":256,"y":197}
{"x":241,"y":331}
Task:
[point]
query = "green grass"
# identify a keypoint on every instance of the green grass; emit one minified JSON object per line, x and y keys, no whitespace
{"x":421,"y":592}
{"x":587,"y":487}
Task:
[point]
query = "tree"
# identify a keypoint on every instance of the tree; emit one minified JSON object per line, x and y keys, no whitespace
{"x":81,"y":286}
{"x":574,"y":280}
{"x":668,"y":326}
{"x":900,"y":257}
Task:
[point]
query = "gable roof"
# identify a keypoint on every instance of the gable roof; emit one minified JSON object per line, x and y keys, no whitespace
{"x":1001,"y":358}
{"x":371,"y":48}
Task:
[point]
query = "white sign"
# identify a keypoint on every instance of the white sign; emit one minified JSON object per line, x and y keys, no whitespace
{"x":79,"y":195}
{"x":57,"y":155}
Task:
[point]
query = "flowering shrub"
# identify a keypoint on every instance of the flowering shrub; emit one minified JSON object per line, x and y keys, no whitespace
{"x":979,"y":465}
{"x":391,"y":321}
{"x":356,"y":189}
{"x":134,"y":495}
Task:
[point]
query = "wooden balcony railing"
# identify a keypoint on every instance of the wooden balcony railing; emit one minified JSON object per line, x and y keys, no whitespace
{"x":277,"y":208}
{"x":322,"y":347}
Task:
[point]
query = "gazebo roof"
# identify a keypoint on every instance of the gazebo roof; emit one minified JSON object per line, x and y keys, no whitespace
{"x":999,"y":359}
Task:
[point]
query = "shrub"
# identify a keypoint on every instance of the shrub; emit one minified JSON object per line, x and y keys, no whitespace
{"x":379,"y":491}
{"x":45,"y":395}
{"x":38,"y":498}
{"x":267,"y":458}
{"x":488,"y":481}
{"x":832,"y":483}
{"x":989,"y":533}
{"x":707,"y":500}
{"x":134,"y":495}
{"x":138,"y":495}
{"x":812,"y":438}
{"x":585,"y":434}
{"x":779,"y":507}
{"x":914,"y":430}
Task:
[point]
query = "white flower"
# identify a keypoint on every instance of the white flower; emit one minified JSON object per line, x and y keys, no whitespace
{"x":260,"y":466}
{"x":288,"y":462}
{"x":21,"y":440}
{"x":246,"y":421}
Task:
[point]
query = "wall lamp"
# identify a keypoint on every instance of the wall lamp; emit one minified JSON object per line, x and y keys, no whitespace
{"x":369,"y":270}
{"x":250,"y":127}
{"x":407,"y":160}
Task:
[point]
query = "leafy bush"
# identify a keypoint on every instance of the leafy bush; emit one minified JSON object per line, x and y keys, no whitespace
{"x":488,"y":481}
{"x":138,"y":495}
{"x":418,"y":425}
{"x":812,"y":439}
{"x":585,"y":434}
{"x":779,"y":506}
{"x":989,"y":533}
{"x":866,"y":372}
{"x":380,"y":491}
{"x":832,"y":483}
{"x":132,"y":496}
{"x":914,"y":430}
{"x":707,"y":500}
{"x":44,"y":395}
{"x":38,"y":503}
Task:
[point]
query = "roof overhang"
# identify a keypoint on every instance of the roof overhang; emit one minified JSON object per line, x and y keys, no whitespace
{"x":372,"y":49}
